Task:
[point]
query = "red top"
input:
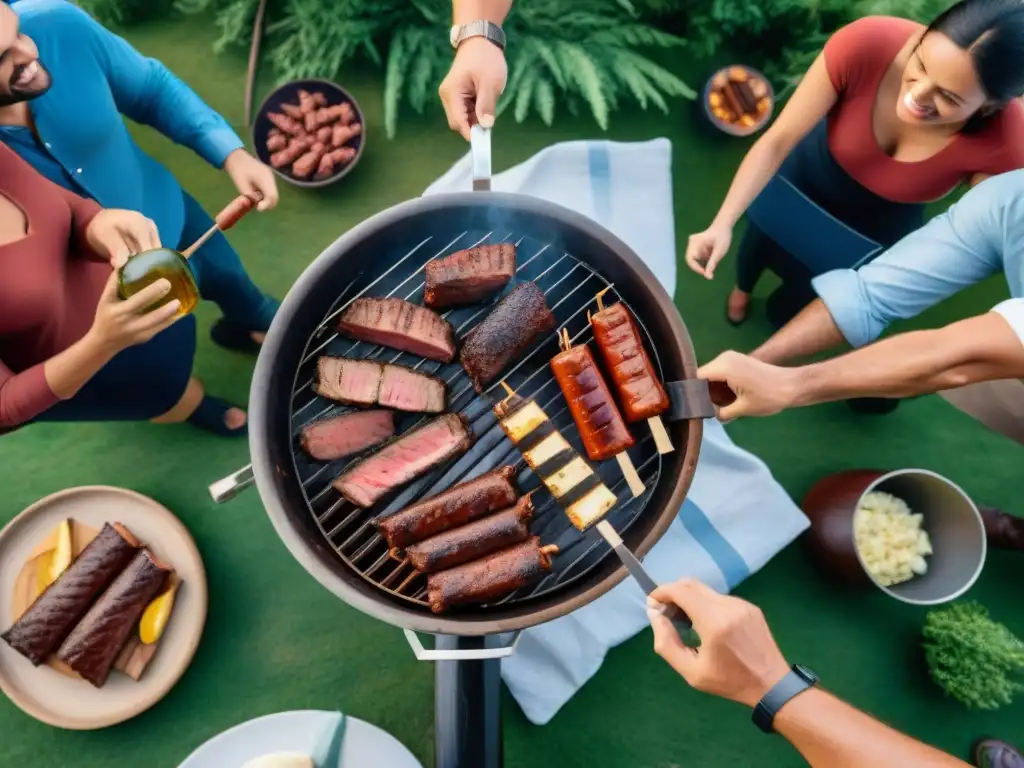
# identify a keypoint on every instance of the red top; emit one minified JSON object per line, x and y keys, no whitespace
{"x":857,"y":57}
{"x":50,"y":283}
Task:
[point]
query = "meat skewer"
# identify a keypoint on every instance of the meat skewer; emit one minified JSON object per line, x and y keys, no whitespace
{"x":512,"y":326}
{"x":401,"y":325}
{"x":459,"y":505}
{"x":474,"y":540}
{"x":593,"y":408}
{"x":406,"y":458}
{"x":49,"y":620}
{"x":368,"y":383}
{"x":572,"y":482}
{"x":349,"y":433}
{"x":93,"y":645}
{"x":641,"y":394}
{"x":469,"y":276}
{"x":490,"y":577}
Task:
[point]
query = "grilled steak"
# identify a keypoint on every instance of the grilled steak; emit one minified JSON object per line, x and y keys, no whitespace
{"x":403,"y":460}
{"x":93,"y":645}
{"x":366,"y":383}
{"x":43,"y":627}
{"x":398,"y":324}
{"x":509,"y":329}
{"x":335,"y":438}
{"x":469,"y":276}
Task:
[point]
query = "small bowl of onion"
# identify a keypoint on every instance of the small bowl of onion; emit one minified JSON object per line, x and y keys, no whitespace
{"x":913,"y":533}
{"x":738,"y":100}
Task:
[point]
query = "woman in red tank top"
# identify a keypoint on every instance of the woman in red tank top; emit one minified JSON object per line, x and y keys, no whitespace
{"x":890,"y":116}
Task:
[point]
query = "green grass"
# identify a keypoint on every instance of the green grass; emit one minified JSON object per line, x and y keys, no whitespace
{"x":275,"y":640}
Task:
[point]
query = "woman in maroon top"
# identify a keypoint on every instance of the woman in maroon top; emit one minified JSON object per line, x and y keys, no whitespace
{"x":70,"y":349}
{"x":890,"y":116}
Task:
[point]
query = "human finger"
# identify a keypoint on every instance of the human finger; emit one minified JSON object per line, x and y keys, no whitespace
{"x":109,"y":293}
{"x":159,"y":316}
{"x":695,"y":255}
{"x":693,"y":596}
{"x":669,"y":646}
{"x":267,"y":187}
{"x":148,"y":295}
{"x":151,"y":235}
{"x":717,"y":369}
{"x":718,"y":251}
{"x":487,"y":94}
{"x":119,"y":253}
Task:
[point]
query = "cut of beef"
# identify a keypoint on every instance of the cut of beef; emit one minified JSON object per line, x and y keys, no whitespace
{"x":510,"y":329}
{"x":403,"y":460}
{"x":469,"y":276}
{"x":340,"y":436}
{"x":366,"y":383}
{"x":401,"y":325}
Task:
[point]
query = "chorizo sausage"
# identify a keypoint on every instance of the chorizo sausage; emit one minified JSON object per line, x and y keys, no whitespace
{"x":591,"y":404}
{"x":641,"y":394}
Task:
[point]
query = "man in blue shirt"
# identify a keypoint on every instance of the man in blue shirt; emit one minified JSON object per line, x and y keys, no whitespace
{"x":66,"y":82}
{"x":979,"y":236}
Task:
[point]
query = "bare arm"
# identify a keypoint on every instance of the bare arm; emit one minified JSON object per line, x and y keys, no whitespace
{"x":810,"y":102}
{"x":982,"y":348}
{"x":810,"y":332}
{"x":465,"y":11}
{"x":831,"y":734}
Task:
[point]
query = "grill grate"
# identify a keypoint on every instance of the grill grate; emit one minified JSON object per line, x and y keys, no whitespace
{"x":569,"y":286}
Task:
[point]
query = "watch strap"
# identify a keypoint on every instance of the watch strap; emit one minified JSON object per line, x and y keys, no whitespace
{"x":487,"y":29}
{"x":796,"y":681}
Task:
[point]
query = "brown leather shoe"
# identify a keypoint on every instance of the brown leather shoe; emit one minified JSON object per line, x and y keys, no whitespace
{"x":991,"y":753}
{"x":1003,"y":530}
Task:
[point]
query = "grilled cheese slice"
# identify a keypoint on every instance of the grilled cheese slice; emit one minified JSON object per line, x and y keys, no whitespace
{"x":568,"y":477}
{"x":546,"y":449}
{"x":591,"y":508}
{"x":524,"y":421}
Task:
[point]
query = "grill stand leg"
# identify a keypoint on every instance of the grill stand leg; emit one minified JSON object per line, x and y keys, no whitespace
{"x":467,"y":708}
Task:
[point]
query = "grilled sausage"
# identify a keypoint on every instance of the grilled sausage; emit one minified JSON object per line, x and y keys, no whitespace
{"x":640,"y":393}
{"x":458,"y":505}
{"x":472,"y":541}
{"x":326,"y":167}
{"x":591,"y":403}
{"x":309,"y":162}
{"x":43,"y":627}
{"x":287,"y":124}
{"x":291,"y":153}
{"x":306,"y":103}
{"x":236,"y":209}
{"x":342,"y":134}
{"x":93,"y":645}
{"x":490,"y":577}
{"x":276,"y":143}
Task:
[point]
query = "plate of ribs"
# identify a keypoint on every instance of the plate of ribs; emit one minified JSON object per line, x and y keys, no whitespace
{"x":310,"y":132}
{"x":102,"y":604}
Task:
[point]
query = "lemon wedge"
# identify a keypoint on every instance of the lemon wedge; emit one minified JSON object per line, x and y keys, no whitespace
{"x":55,"y":561}
{"x":154,"y":618}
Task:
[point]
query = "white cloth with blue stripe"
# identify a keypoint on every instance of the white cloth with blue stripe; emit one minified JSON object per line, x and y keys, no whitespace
{"x":736,"y":517}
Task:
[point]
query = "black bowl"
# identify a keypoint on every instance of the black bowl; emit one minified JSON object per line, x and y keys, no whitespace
{"x":289,"y":94}
{"x":730,"y":128}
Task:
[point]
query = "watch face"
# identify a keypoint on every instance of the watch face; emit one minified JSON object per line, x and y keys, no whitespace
{"x":806,"y":673}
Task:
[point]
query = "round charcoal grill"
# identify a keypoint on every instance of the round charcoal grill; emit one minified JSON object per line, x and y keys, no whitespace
{"x":571,"y":259}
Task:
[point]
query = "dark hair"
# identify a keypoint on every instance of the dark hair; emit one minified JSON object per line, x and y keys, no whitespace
{"x":992,"y":31}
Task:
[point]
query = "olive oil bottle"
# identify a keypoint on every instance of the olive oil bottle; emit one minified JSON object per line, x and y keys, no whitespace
{"x":149,"y":266}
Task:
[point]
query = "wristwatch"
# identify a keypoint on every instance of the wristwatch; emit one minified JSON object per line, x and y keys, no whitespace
{"x":486,"y":29}
{"x":796,"y":681}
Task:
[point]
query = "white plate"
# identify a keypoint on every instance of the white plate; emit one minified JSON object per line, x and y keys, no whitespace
{"x":67,"y":702}
{"x":365,"y":745}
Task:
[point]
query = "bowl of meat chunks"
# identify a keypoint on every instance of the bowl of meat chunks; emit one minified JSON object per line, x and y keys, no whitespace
{"x":310,"y":132}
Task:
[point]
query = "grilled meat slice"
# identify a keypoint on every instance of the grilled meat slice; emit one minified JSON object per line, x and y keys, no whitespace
{"x":352,"y":382}
{"x":340,"y":436}
{"x":474,"y":540}
{"x":490,"y":577}
{"x":403,"y":460}
{"x":469,"y":276}
{"x":366,"y":383}
{"x":622,"y":347}
{"x":93,"y":645}
{"x":43,"y":627}
{"x":457,"y":506}
{"x":401,"y":325}
{"x":508,"y":331}
{"x":404,"y":389}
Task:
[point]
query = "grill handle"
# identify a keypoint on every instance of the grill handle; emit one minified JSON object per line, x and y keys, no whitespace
{"x":480,"y":157}
{"x":690,"y":399}
{"x":230,"y":486}
{"x":468,"y":654}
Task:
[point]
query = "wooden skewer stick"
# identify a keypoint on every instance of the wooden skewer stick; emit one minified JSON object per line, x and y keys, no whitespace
{"x":636,"y":485}
{"x":187,"y":253}
{"x":661,"y":439}
{"x":600,"y":295}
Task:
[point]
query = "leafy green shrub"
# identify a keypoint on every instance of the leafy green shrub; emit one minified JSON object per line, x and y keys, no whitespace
{"x":125,"y":12}
{"x":978,"y":661}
